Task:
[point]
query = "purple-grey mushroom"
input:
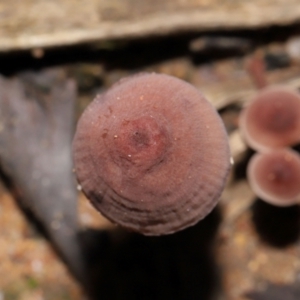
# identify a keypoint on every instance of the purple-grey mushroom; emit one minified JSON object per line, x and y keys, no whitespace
{"x":275,"y":175}
{"x":272,"y":119}
{"x":152,"y":154}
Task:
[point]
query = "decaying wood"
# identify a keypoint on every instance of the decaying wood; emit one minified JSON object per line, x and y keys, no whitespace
{"x":24,"y":25}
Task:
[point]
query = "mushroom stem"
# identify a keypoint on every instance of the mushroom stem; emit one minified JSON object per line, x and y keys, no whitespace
{"x":257,"y":69}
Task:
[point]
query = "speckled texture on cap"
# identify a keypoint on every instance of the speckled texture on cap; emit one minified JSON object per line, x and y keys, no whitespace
{"x":152,"y":154}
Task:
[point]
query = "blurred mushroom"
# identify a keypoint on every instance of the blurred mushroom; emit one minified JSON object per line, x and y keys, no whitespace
{"x":36,"y":129}
{"x":275,"y":176}
{"x":272,"y":119}
{"x":152,"y":154}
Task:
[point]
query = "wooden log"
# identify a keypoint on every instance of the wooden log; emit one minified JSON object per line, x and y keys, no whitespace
{"x":33,"y":24}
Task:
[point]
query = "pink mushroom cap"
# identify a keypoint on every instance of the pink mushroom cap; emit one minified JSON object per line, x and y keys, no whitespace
{"x":152,"y":154}
{"x":275,"y":176}
{"x":272,"y":119}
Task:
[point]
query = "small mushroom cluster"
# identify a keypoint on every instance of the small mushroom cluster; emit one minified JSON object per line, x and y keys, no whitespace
{"x":270,"y":124}
{"x":152,"y":154}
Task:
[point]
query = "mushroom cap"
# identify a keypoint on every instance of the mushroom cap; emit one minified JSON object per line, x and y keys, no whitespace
{"x":152,"y":154}
{"x":272,"y":119}
{"x":275,"y":176}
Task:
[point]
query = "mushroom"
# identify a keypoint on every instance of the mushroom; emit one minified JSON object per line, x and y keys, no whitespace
{"x":152,"y":154}
{"x":272,"y":119}
{"x":274,"y":176}
{"x":256,"y":68}
{"x":36,"y":129}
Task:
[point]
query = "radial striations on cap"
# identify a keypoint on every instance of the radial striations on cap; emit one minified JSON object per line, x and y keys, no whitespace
{"x":274,"y":176}
{"x":272,"y":119}
{"x":152,"y":154}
